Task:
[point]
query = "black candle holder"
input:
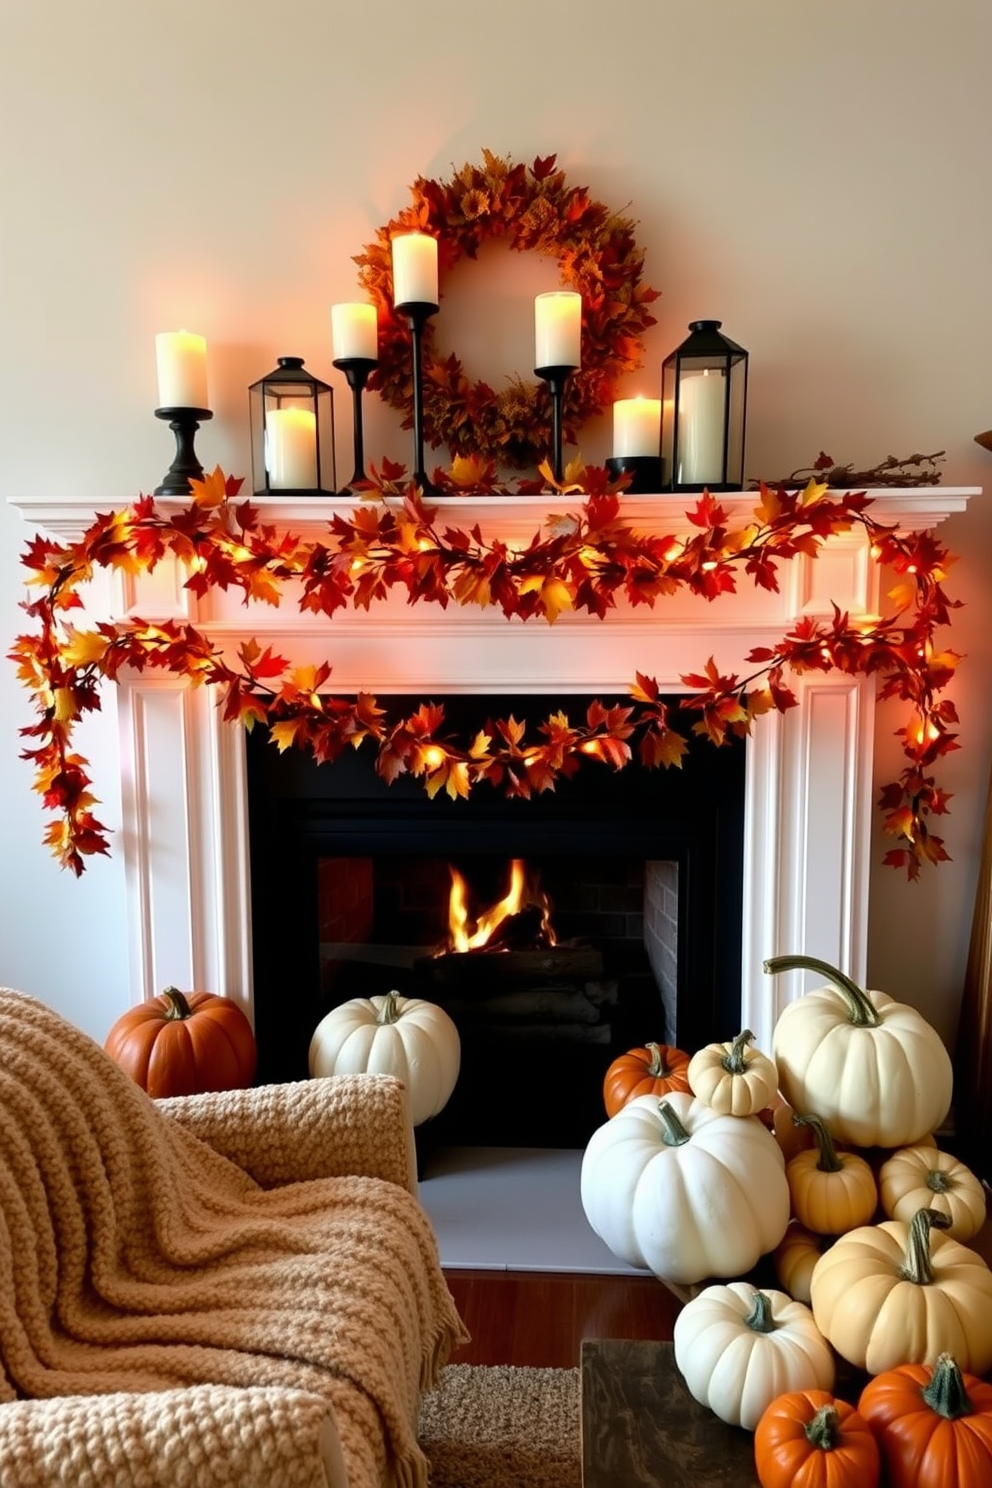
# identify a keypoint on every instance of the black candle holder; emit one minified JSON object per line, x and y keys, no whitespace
{"x":647,"y":473}
{"x":357,"y":371}
{"x":185,"y":467}
{"x":556,"y":378}
{"x":418,"y":313}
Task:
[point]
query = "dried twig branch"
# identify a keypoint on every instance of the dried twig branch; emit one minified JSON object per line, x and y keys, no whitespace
{"x":912,"y":470}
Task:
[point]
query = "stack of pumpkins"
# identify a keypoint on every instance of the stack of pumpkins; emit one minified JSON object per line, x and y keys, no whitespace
{"x":710,"y":1163}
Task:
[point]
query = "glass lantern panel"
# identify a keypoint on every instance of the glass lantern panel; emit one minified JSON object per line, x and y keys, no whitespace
{"x":735,"y":425}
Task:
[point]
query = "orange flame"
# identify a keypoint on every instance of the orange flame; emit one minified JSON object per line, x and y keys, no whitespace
{"x":464,"y":934}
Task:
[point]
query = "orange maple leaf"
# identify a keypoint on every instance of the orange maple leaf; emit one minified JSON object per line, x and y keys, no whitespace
{"x":211,"y":490}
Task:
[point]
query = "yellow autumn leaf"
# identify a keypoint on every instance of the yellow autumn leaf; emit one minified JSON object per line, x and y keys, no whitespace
{"x":815,"y":491}
{"x":283,"y":732}
{"x":65,"y":704}
{"x":467,"y":470}
{"x":262,"y":586}
{"x":84,"y":647}
{"x":457,"y":783}
{"x":556,"y":596}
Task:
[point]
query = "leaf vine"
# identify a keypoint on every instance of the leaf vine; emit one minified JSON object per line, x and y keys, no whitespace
{"x":586,"y":560}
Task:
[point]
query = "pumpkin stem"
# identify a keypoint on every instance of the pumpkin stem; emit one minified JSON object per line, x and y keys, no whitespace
{"x":673,"y":1132}
{"x":179,"y":1008}
{"x":938,"y":1181}
{"x":862,"y":1012}
{"x":389,"y":1011}
{"x":657,"y":1068}
{"x":829,"y":1161}
{"x":917,"y":1264}
{"x":946,"y":1393}
{"x":760,"y":1319}
{"x":734,"y":1061}
{"x":823,"y":1429}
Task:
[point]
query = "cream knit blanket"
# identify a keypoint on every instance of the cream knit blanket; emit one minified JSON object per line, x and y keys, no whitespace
{"x":136,"y":1258}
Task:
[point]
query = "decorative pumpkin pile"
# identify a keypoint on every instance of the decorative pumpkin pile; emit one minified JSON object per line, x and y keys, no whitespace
{"x":715,"y":1161}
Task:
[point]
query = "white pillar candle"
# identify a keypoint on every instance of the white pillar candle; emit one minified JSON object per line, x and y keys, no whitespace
{"x":701,"y":428}
{"x":415,"y":269}
{"x":558,"y":329}
{"x":636,"y":427}
{"x":181,"y":362}
{"x":291,"y":452}
{"x":354,"y":332}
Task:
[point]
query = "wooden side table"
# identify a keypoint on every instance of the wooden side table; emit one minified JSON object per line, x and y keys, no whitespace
{"x":642,"y":1428}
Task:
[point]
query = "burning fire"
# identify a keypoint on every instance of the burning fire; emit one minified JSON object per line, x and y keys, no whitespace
{"x":468,"y":934}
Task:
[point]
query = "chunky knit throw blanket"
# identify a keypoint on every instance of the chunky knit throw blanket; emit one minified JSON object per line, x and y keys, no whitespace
{"x":136,"y":1259}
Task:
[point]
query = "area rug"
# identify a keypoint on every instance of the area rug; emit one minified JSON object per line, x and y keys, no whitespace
{"x":502,"y":1427}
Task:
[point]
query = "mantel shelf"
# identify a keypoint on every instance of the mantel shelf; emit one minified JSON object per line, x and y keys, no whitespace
{"x":913,"y":507}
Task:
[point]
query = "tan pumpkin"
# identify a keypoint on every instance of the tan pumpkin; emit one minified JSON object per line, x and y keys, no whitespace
{"x":896,"y":1293}
{"x":795,"y":1256}
{"x":733,"y":1078}
{"x":832,"y":1191}
{"x":872,"y":1068}
{"x":923,"y":1177}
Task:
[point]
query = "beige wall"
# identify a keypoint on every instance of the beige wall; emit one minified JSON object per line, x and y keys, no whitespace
{"x":813,"y":172}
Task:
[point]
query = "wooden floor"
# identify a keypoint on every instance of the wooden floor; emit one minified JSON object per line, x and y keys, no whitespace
{"x":539,"y":1318}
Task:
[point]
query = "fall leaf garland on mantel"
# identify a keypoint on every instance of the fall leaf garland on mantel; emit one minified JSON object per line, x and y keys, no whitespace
{"x":583,"y":561}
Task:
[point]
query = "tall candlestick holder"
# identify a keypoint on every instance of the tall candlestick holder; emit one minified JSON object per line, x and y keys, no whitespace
{"x":417,"y":314}
{"x":185,"y":467}
{"x":556,"y":378}
{"x":357,"y":371}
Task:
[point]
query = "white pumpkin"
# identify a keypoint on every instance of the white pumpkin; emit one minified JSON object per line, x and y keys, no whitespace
{"x":874,"y":1070}
{"x":684,"y":1191}
{"x":739,"y":1348}
{"x":392,"y":1035}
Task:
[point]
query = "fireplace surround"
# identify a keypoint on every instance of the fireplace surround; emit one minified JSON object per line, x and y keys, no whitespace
{"x":182,"y":815}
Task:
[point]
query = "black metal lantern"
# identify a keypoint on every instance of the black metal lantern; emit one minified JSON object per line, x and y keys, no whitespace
{"x":703,"y":402}
{"x":292,"y":432}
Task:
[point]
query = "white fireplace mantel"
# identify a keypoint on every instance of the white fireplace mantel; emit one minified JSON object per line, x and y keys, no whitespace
{"x":808,"y":806}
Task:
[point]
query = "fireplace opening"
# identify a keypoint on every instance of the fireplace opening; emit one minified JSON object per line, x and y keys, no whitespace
{"x":628,"y":927}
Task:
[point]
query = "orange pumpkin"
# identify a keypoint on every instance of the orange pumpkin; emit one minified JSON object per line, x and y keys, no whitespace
{"x":184,"y":1043}
{"x":811,"y":1437}
{"x":656,"y":1069}
{"x":934,"y":1426}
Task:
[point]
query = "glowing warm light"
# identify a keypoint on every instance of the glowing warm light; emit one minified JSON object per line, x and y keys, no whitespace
{"x":464,"y":934}
{"x":357,"y":565}
{"x":675,"y":551}
{"x":433,"y":756}
{"x":589,"y":747}
{"x":927,"y":730}
{"x":708,"y":566}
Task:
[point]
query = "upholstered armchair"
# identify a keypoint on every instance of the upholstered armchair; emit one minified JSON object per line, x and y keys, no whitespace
{"x":226,"y":1289}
